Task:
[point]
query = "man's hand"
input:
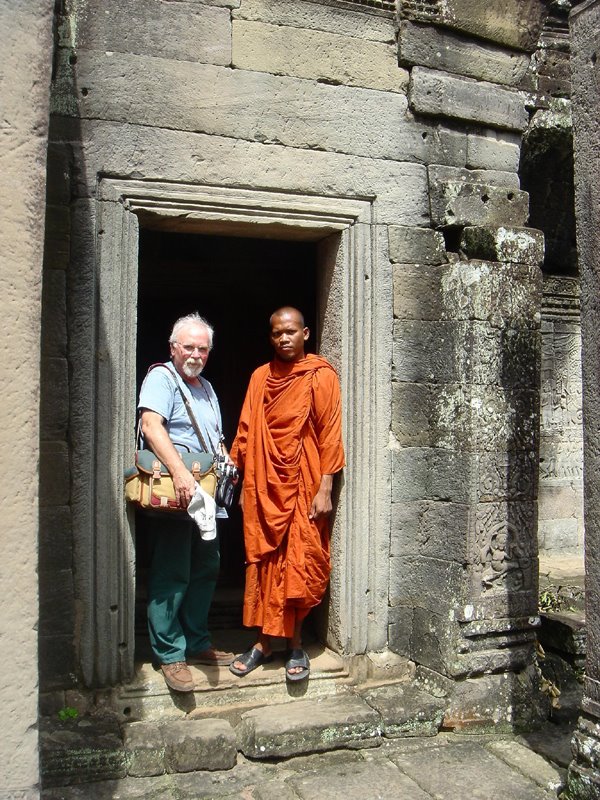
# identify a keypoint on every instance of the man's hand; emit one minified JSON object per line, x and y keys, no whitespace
{"x":184,"y":484}
{"x":321,"y":504}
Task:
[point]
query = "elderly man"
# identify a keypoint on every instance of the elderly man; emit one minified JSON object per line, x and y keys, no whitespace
{"x":289,"y":447}
{"x":184,"y":567}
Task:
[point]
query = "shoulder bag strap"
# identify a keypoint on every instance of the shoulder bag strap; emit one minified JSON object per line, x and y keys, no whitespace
{"x":188,"y":408}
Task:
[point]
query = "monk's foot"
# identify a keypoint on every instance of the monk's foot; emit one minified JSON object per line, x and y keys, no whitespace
{"x":297,"y":667}
{"x":249,"y":661}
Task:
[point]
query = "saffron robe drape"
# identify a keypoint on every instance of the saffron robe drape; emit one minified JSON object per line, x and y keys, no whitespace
{"x":289,"y":435}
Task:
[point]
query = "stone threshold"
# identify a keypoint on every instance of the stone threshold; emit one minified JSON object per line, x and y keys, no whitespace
{"x":100,"y":748}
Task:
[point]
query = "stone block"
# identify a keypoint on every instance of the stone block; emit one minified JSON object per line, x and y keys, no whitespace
{"x":560,"y":502}
{"x":54,"y":398}
{"x":559,"y":535}
{"x":494,"y":151}
{"x":204,"y":744}
{"x":413,"y":421}
{"x":441,"y":769}
{"x":320,"y":16}
{"x":145,"y":749}
{"x":81,"y":751}
{"x":502,"y":703}
{"x":57,"y":238}
{"x":200,"y":34}
{"x":239,"y":104}
{"x":416,"y":246}
{"x":516,"y":245}
{"x":423,"y":473}
{"x":507,"y":296}
{"x":435,"y":637}
{"x":500,"y":179}
{"x":418,"y":292}
{"x":335,"y":58}
{"x":308,"y":726}
{"x":55,"y":537}
{"x":400,"y":629}
{"x":457,"y":200}
{"x":368,"y":780}
{"x":528,"y":763}
{"x":442,"y":49}
{"x":57,"y":601}
{"x":430,"y":529}
{"x":54,"y":314}
{"x":406,"y":710}
{"x":437,"y":94}
{"x":57,"y":662}
{"x":425,"y":351}
{"x":431,"y":583}
{"x":58,"y":185}
{"x":513,"y":23}
{"x":54,"y":474}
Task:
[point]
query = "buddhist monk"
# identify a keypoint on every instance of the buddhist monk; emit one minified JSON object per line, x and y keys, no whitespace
{"x":288,"y":447}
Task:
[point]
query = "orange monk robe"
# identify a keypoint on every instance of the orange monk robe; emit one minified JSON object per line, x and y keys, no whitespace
{"x":289,"y":435}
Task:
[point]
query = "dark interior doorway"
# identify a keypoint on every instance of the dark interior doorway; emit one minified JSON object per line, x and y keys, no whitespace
{"x":235,"y":283}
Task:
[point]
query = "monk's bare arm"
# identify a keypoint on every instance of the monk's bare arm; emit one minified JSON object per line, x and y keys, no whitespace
{"x":321,"y":504}
{"x":161,"y":445}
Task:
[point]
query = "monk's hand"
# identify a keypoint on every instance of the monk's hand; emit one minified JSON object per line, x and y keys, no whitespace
{"x":184,"y":485}
{"x":321,"y":505}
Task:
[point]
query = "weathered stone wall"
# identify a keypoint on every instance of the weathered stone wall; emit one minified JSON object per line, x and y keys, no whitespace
{"x":307,"y":98}
{"x":585,"y":22}
{"x":24,"y":94}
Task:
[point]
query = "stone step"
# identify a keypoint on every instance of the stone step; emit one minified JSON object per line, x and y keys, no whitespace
{"x":97,"y":748}
{"x":219,"y":693}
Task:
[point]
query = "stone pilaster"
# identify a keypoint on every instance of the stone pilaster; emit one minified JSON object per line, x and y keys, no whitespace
{"x":584,"y":776}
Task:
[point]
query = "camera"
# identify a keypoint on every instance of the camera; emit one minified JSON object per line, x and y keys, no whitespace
{"x":227,"y":478}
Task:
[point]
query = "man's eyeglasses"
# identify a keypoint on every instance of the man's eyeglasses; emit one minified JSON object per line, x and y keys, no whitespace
{"x":188,"y":349}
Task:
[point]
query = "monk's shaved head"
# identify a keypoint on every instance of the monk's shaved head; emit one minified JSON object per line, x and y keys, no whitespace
{"x":288,"y":333}
{"x":285,"y":311}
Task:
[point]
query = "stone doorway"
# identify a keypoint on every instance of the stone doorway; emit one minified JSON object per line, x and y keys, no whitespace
{"x":235,"y":282}
{"x":353,"y":317}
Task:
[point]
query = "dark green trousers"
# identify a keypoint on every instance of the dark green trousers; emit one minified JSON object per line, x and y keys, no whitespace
{"x":181,"y":584}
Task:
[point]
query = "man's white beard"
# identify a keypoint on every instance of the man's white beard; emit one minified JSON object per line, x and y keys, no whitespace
{"x":192,"y":368}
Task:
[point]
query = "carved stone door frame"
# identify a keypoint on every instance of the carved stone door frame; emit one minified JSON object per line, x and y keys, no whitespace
{"x":355,"y":320}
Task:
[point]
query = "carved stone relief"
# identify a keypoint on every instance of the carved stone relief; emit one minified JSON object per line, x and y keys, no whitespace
{"x":504,"y":546}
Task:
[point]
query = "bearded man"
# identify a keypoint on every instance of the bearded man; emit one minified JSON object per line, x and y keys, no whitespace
{"x":288,"y":446}
{"x":184,"y":567}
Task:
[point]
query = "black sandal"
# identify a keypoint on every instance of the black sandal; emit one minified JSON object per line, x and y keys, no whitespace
{"x":251,"y":659}
{"x":298,"y":658}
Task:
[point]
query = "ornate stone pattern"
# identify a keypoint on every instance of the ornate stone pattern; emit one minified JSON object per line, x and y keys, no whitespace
{"x":560,"y":298}
{"x":504,"y":536}
{"x":561,"y":415}
{"x":506,"y":476}
{"x":426,"y":10}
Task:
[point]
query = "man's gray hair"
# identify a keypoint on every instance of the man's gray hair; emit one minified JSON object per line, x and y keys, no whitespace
{"x":191,"y":319}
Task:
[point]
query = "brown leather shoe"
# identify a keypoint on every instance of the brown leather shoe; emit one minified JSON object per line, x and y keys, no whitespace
{"x":178,"y":677}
